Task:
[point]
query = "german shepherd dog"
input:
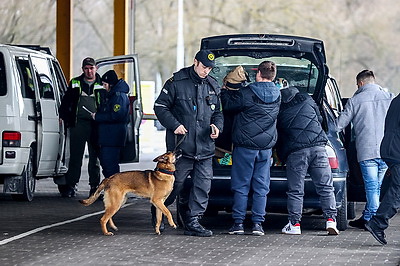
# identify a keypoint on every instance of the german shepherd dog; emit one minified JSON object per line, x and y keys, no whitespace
{"x":156,"y":185}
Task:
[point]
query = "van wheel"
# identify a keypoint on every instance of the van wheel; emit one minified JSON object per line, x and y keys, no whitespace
{"x":341,"y":218}
{"x":29,"y":182}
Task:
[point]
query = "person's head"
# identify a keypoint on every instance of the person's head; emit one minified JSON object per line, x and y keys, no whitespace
{"x":266,"y":71}
{"x":236,"y":78}
{"x":109,"y":79}
{"x":365,"y":77}
{"x":89,"y":68}
{"x":204,"y":61}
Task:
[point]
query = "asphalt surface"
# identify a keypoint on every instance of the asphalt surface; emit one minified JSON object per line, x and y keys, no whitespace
{"x":52,"y":230}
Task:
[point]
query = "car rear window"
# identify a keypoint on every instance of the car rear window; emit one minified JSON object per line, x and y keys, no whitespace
{"x":3,"y":80}
{"x":301,"y":73}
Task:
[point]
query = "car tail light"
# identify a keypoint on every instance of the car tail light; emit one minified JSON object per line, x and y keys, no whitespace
{"x":11,"y":139}
{"x":333,"y":160}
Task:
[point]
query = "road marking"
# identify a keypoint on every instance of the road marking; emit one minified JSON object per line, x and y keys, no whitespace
{"x":8,"y":240}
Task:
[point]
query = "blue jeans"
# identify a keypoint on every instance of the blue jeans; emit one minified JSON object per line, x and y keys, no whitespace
{"x":373,"y":171}
{"x":250,"y":170}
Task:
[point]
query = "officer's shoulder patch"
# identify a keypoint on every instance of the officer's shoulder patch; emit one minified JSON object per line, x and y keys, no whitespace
{"x":116,"y":107}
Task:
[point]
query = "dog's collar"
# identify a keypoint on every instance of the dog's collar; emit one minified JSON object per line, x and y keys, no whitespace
{"x":164,"y":171}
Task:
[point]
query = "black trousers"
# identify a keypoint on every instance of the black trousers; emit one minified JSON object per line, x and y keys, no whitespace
{"x":391,"y":201}
{"x":79,"y":136}
{"x":196,"y":196}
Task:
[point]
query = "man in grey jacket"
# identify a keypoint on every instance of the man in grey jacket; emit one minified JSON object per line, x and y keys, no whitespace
{"x":367,"y":111}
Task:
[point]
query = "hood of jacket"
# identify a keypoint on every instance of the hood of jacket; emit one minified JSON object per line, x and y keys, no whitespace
{"x":288,"y":94}
{"x":121,"y":86}
{"x":367,"y":87}
{"x":266,"y":91}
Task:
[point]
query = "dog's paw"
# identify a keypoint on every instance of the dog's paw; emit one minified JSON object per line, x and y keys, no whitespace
{"x":158,"y":233}
{"x":174,"y":226}
{"x":108,"y":234}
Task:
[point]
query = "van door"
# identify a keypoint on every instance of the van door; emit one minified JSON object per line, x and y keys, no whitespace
{"x":127,"y":67}
{"x":47,"y":121}
{"x":63,"y":144}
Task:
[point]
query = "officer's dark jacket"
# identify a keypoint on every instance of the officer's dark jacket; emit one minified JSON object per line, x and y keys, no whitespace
{"x":69,"y":103}
{"x":390,"y":145}
{"x":299,"y":123}
{"x":188,"y":100}
{"x":255,"y":108}
{"x":113,"y":115}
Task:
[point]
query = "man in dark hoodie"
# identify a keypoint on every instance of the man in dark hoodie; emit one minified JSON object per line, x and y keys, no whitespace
{"x":255,"y":108}
{"x":301,"y":144}
{"x":112,"y":118}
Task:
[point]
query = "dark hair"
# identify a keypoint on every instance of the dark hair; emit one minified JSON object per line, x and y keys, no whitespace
{"x":267,"y":70}
{"x":365,"y":75}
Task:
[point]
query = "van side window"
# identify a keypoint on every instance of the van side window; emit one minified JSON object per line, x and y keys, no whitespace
{"x":62,"y":84}
{"x":3,"y":80}
{"x":43,"y":76}
{"x":25,"y":74}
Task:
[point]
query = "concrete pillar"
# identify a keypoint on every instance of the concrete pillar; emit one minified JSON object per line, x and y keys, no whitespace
{"x":64,"y":36}
{"x":121,"y":34}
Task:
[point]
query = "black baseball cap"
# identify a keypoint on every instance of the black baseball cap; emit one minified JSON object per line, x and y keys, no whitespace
{"x":88,"y":61}
{"x":206,"y":57}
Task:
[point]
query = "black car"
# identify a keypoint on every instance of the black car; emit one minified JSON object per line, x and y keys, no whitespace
{"x":301,"y":62}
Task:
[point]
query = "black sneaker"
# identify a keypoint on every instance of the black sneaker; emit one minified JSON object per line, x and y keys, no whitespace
{"x":236,"y":229}
{"x":68,"y":193}
{"x":194,"y":228}
{"x":258,"y":230}
{"x":154,"y":219}
{"x":359,"y":223}
{"x":379,"y":235}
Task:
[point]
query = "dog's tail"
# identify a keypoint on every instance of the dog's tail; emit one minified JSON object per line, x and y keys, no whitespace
{"x":96,"y":194}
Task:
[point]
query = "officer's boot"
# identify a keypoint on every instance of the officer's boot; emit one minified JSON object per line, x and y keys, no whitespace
{"x":194,"y":228}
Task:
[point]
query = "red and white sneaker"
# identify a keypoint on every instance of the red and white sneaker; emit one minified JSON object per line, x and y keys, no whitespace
{"x":331,"y":227}
{"x":291,"y":229}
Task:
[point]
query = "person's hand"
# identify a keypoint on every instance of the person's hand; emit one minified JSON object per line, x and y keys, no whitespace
{"x":181,"y":130}
{"x":93,"y":116}
{"x":214,"y":131}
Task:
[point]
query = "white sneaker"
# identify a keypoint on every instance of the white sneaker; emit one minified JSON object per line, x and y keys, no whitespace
{"x":331,"y":227}
{"x":290,"y":229}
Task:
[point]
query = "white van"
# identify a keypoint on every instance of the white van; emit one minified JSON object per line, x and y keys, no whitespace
{"x":34,"y":143}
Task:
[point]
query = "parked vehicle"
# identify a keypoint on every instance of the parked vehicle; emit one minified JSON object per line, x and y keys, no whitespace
{"x":301,"y":62}
{"x":34,"y":141}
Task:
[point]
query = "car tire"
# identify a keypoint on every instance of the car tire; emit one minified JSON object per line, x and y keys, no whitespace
{"x":29,"y":181}
{"x":351,"y":210}
{"x":341,"y":218}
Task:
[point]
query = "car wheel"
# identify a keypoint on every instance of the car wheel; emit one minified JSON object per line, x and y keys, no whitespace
{"x":351,"y":210}
{"x":29,"y":181}
{"x":341,"y":218}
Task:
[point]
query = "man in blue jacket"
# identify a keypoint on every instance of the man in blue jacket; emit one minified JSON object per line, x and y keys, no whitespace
{"x":255,"y":108}
{"x":112,"y":119}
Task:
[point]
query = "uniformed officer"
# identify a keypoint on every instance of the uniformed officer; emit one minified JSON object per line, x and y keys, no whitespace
{"x":189,"y":108}
{"x":82,"y":91}
{"x":112,"y":120}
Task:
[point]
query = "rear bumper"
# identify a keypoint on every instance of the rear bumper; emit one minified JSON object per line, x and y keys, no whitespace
{"x":221,"y":197}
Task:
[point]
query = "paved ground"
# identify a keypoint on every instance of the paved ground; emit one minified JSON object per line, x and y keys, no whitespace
{"x":52,"y":230}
